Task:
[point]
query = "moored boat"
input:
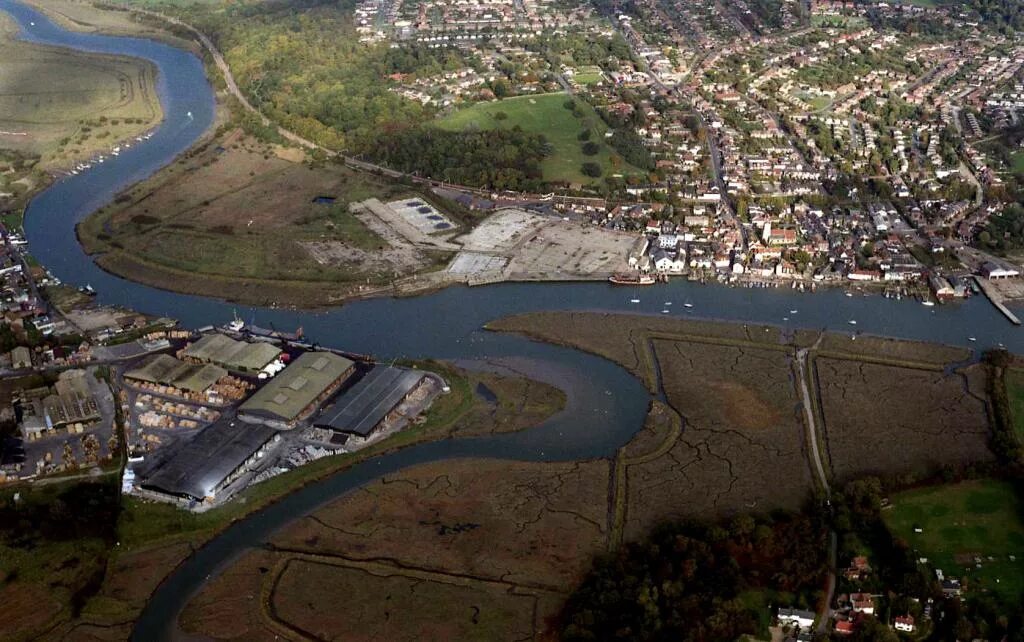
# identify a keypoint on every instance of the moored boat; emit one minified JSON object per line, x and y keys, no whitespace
{"x":631,"y":279}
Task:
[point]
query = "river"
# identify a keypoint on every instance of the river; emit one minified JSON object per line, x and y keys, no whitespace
{"x":607,"y":405}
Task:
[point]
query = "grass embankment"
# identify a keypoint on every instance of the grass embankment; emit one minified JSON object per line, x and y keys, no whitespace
{"x":65,"y":106}
{"x":243,"y":220}
{"x":86,"y":17}
{"x":969,"y":530}
{"x":546,"y":114}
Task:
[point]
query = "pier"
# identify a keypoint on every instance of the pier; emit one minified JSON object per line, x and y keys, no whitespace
{"x":997,"y":299}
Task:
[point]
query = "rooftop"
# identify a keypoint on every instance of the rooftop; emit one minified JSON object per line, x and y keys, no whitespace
{"x":360,"y":408}
{"x":232,"y":354}
{"x":198,"y":466}
{"x":297,"y":386}
{"x":166,"y":370}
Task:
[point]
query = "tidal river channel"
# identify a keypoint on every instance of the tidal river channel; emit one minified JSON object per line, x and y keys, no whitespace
{"x":606,"y":405}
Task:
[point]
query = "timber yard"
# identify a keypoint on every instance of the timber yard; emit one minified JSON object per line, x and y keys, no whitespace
{"x":223,"y":413}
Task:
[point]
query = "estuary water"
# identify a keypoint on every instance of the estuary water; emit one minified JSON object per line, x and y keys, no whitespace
{"x":607,"y":405}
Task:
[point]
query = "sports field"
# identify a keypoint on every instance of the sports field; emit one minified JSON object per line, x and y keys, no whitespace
{"x":1018,"y":163}
{"x":546,"y":114}
{"x":973,"y":530}
{"x":589,"y":75}
{"x":66,"y":106}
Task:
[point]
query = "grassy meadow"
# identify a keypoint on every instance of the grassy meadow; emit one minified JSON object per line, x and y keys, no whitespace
{"x":961,"y":524}
{"x":546,"y":114}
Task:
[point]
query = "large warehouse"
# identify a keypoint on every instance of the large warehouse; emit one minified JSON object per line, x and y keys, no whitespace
{"x":201,"y":467}
{"x":361,"y":409}
{"x":237,"y":356}
{"x":298,"y":390}
{"x":165,"y":370}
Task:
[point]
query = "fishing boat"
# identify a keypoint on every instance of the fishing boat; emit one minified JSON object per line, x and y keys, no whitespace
{"x":852,"y":322}
{"x":634,"y":300}
{"x":928,"y":303}
{"x":631,"y":279}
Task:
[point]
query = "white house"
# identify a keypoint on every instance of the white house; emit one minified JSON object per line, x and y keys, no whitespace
{"x":796,"y":617}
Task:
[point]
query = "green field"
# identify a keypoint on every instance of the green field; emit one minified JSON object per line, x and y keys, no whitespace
{"x":1018,"y":163}
{"x":546,"y":114}
{"x":588,"y":76}
{"x":961,"y":522}
{"x":815,"y":101}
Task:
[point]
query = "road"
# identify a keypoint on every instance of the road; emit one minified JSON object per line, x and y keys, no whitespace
{"x":812,"y":441}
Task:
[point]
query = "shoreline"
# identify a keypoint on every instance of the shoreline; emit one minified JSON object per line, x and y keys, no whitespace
{"x":426,"y":284}
{"x":56,"y":169}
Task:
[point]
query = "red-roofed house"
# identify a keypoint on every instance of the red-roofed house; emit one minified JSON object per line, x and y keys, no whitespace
{"x":905,"y":623}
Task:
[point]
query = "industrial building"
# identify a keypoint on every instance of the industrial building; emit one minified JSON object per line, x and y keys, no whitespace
{"x":165,"y":370}
{"x":70,"y":404}
{"x":203,"y":466}
{"x":360,"y":411}
{"x":236,"y":356}
{"x":298,"y":390}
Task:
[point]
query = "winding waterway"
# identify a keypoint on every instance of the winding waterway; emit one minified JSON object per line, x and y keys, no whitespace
{"x":606,"y":404}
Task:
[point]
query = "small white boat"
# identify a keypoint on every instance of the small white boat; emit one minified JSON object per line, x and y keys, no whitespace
{"x":668,"y":303}
{"x":928,"y":303}
{"x":792,"y":311}
{"x":785,"y":318}
{"x":852,"y":322}
{"x":971,"y":339}
{"x":849,"y":294}
{"x":664,"y":311}
{"x":634,"y":300}
{"x":687,"y":305}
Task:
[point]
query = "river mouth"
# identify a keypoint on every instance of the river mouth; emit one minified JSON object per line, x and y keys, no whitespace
{"x":608,"y":404}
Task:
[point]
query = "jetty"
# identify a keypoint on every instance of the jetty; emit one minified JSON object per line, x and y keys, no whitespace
{"x":997,"y":299}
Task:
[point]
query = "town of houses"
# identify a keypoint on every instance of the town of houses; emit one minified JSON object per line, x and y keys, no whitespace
{"x":754,"y":126}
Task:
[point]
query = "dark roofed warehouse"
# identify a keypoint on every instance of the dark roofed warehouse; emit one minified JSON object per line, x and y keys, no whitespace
{"x":362,"y":407}
{"x":201,"y":466}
